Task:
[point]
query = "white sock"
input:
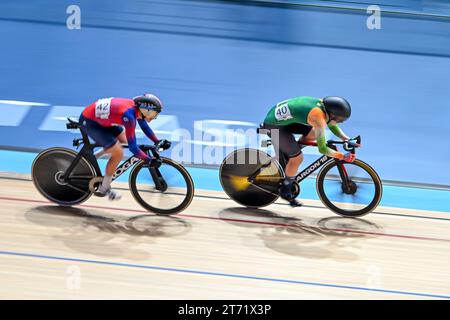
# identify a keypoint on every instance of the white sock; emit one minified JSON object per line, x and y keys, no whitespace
{"x":106,"y":184}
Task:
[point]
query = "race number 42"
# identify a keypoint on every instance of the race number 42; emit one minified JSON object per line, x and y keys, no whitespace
{"x":103,"y":108}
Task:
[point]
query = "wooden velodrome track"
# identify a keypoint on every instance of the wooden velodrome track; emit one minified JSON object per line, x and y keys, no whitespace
{"x":215,"y":250}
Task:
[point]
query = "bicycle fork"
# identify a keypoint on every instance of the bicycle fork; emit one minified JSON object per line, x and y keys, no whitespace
{"x":344,"y":175}
{"x":160,"y":183}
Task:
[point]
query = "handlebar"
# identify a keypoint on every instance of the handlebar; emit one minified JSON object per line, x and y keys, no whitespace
{"x":347,"y":145}
{"x":154,"y":149}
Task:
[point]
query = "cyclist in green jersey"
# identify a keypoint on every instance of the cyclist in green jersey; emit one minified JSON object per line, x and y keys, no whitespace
{"x":309,"y":117}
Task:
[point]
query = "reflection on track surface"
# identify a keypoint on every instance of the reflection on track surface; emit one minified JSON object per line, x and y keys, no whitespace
{"x":216,"y":249}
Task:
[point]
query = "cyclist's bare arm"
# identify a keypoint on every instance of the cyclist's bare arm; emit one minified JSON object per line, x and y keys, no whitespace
{"x":316,"y":119}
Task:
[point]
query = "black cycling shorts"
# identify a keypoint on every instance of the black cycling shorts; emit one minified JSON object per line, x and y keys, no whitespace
{"x":286,"y":143}
{"x":104,"y":136}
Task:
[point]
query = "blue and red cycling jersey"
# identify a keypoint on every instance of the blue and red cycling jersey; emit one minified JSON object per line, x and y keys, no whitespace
{"x":111,"y":112}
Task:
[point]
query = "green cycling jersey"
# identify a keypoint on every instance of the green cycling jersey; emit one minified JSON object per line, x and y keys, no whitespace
{"x":295,"y":110}
{"x":298,"y":110}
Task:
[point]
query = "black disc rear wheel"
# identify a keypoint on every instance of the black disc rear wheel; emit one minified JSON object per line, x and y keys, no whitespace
{"x":47,"y":173}
{"x":234,"y":177}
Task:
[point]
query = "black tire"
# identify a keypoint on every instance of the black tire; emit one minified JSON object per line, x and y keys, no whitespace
{"x":239,"y":165}
{"x":182,"y":175}
{"x":48,"y":166}
{"x":360,"y":209}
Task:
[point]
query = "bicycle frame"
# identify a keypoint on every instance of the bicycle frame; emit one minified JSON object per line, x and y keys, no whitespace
{"x":324,"y":159}
{"x":314,"y":166}
{"x":303,"y":174}
{"x":87,"y":151}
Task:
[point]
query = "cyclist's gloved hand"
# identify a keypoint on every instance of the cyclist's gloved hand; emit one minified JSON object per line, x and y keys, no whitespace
{"x":353,"y":144}
{"x":349,"y":157}
{"x":164,"y":144}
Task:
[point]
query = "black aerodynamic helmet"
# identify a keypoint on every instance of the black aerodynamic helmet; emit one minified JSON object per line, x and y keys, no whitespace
{"x":338,"y":107}
{"x":148,"y":102}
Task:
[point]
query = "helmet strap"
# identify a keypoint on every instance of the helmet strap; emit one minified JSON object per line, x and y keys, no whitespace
{"x":322,"y":107}
{"x":140,"y":112}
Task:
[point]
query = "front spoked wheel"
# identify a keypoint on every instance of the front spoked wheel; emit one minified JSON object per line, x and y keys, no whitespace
{"x":349,"y":189}
{"x":165,"y":190}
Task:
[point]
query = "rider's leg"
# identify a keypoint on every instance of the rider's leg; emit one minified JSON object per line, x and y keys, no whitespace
{"x":293,"y":164}
{"x":285,"y":145}
{"x":116,"y":152}
{"x":122,"y":137}
{"x":295,"y":160}
{"x":287,"y":186}
{"x":311,"y":136}
{"x":106,"y":137}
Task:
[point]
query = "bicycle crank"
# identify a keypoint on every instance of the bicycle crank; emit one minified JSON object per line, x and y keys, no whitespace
{"x":94,"y":183}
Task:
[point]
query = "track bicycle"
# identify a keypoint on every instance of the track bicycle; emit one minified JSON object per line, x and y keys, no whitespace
{"x":68,"y":178}
{"x":253,"y":178}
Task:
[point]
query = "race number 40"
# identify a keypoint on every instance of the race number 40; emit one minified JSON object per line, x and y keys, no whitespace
{"x":282,"y":112}
{"x":103,"y":108}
